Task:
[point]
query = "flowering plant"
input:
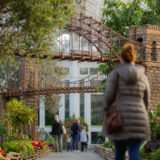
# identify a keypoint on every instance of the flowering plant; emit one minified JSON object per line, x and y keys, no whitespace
{"x":1,"y":151}
{"x":38,"y":144}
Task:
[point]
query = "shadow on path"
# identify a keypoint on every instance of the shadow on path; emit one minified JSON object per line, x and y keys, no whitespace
{"x":90,"y":155}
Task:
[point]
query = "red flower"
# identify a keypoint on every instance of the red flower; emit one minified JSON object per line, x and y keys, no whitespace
{"x":38,"y":144}
{"x":1,"y":151}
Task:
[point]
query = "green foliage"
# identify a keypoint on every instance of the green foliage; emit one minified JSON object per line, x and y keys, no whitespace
{"x":24,"y":147}
{"x":18,"y":115}
{"x":144,"y":155}
{"x":81,"y":119}
{"x":154,"y":123}
{"x":3,"y":128}
{"x":68,"y":119}
{"x":122,"y":15}
{"x":8,"y":138}
{"x":109,"y":145}
{"x":29,"y":26}
{"x":105,"y":69}
{"x":155,"y":155}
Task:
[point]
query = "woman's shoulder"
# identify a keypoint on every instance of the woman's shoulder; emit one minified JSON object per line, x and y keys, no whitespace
{"x":140,"y":67}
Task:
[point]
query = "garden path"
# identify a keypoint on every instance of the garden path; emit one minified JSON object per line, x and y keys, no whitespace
{"x":89,"y":155}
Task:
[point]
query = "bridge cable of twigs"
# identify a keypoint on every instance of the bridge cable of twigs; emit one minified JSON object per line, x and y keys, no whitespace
{"x":88,"y":84}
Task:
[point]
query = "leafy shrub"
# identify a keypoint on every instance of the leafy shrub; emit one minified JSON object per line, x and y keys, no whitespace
{"x":24,"y":147}
{"x":18,"y":115}
{"x":3,"y":128}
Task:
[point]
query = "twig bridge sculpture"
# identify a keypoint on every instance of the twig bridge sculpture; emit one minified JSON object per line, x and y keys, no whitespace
{"x":107,"y":42}
{"x":85,"y":85}
{"x":103,"y":46}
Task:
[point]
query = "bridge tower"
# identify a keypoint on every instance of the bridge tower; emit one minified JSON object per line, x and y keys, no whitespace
{"x":29,"y":80}
{"x":149,"y":37}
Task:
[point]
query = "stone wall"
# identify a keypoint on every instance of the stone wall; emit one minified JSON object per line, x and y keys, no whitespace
{"x":149,"y":37}
{"x":153,"y":73}
{"x":106,"y":153}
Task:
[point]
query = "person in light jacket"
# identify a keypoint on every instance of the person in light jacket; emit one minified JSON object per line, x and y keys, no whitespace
{"x":133,"y":104}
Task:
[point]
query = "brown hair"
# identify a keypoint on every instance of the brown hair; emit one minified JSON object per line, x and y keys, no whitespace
{"x":128,"y":54}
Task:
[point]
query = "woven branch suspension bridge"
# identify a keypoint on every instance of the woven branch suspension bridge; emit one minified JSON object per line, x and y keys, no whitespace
{"x":103,"y":46}
{"x":100,"y":37}
{"x":87,"y":85}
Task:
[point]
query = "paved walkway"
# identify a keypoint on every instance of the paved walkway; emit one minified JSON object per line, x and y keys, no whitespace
{"x":90,"y":155}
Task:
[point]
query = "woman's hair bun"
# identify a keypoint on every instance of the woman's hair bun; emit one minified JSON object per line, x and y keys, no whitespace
{"x":128,"y":54}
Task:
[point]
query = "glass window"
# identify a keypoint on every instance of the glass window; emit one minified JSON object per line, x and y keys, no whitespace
{"x":83,"y":70}
{"x":82,"y":105}
{"x":65,"y":38}
{"x":66,"y":105}
{"x":84,"y":44}
{"x":96,"y":138}
{"x":96,"y":109}
{"x":93,"y":70}
{"x":49,"y":117}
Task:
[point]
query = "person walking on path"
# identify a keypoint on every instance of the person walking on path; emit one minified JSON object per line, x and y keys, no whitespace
{"x":133,"y":98}
{"x":75,"y":129}
{"x":57,"y":133}
{"x":84,"y":139}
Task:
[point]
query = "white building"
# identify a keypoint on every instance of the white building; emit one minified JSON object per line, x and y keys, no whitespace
{"x":85,"y":105}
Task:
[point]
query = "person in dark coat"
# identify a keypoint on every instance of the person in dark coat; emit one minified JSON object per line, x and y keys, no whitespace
{"x":133,"y":104}
{"x":57,"y":133}
{"x":75,"y":129}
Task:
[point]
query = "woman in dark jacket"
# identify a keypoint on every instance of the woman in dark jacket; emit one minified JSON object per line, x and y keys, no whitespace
{"x":133,"y":104}
{"x":57,"y":133}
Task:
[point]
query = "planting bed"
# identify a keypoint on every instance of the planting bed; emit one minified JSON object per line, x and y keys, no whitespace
{"x":18,"y":156}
